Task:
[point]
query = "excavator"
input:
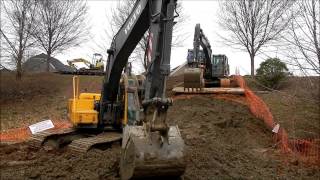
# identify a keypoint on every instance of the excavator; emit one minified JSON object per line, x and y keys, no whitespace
{"x":205,"y":72}
{"x":96,"y":67}
{"x":131,"y":109}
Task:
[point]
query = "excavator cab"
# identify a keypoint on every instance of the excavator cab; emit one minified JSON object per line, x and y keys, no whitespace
{"x":220,"y":66}
{"x":97,"y":61}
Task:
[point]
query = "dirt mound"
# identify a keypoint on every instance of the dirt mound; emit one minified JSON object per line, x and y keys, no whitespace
{"x":223,"y":141}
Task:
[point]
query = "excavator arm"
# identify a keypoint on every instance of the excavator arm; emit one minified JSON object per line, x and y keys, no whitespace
{"x":153,"y":148}
{"x":157,"y":16}
{"x":201,"y":40}
{"x":86,"y":62}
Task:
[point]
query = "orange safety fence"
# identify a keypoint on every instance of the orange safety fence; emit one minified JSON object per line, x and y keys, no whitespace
{"x":308,"y":149}
{"x":23,"y":133}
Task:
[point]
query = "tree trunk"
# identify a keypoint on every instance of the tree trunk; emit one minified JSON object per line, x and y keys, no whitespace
{"x":48,"y":61}
{"x":19,"y":69}
{"x":252,"y":64}
{"x":19,"y":65}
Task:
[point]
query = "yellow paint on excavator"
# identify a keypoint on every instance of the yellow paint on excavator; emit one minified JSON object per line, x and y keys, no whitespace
{"x":81,"y":107}
{"x":81,"y":111}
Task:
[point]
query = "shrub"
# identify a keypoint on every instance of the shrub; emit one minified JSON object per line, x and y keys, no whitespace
{"x":272,"y":72}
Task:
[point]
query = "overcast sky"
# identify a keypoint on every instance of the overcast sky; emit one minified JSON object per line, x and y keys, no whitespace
{"x":196,"y":11}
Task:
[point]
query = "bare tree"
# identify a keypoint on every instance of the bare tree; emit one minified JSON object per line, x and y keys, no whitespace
{"x":253,"y":24}
{"x":303,"y":37}
{"x":60,"y":25}
{"x":16,"y":32}
{"x":119,"y":14}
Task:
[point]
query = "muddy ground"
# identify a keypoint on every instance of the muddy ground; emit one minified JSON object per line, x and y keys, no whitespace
{"x":223,"y":141}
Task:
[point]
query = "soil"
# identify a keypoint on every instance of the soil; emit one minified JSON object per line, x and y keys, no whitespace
{"x":223,"y":141}
{"x":21,"y":161}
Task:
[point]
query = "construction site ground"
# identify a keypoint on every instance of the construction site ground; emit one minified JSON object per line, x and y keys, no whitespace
{"x":223,"y":139}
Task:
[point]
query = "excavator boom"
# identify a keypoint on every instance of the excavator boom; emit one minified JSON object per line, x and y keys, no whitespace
{"x":134,"y":105}
{"x":153,"y":148}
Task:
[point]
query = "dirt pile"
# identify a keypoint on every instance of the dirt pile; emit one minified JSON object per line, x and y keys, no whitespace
{"x":226,"y":142}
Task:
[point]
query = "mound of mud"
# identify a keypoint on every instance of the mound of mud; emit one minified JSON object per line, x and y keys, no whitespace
{"x":223,"y":141}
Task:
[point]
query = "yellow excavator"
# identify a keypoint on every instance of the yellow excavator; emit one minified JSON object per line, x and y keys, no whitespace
{"x":150,"y":147}
{"x":95,"y":67}
{"x":131,"y":108}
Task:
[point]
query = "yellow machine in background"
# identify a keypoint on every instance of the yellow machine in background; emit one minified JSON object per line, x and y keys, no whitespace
{"x":95,"y":67}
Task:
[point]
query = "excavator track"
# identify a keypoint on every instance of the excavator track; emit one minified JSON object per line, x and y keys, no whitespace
{"x":75,"y":141}
{"x":37,"y":140}
{"x":102,"y":140}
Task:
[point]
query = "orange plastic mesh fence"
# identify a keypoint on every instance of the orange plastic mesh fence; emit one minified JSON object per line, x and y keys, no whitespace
{"x":307,"y":148}
{"x":22,"y":134}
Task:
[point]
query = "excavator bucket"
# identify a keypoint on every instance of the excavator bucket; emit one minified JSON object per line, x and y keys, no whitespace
{"x":193,"y":79}
{"x":146,"y":155}
{"x":194,"y":83}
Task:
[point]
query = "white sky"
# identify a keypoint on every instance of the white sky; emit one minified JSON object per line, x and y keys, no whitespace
{"x":197,"y":11}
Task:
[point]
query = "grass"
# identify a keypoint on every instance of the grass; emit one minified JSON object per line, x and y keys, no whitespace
{"x":296,"y":106}
{"x":38,"y":96}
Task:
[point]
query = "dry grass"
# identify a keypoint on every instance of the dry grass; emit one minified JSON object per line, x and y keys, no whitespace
{"x":37,"y":97}
{"x":296,"y":106}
